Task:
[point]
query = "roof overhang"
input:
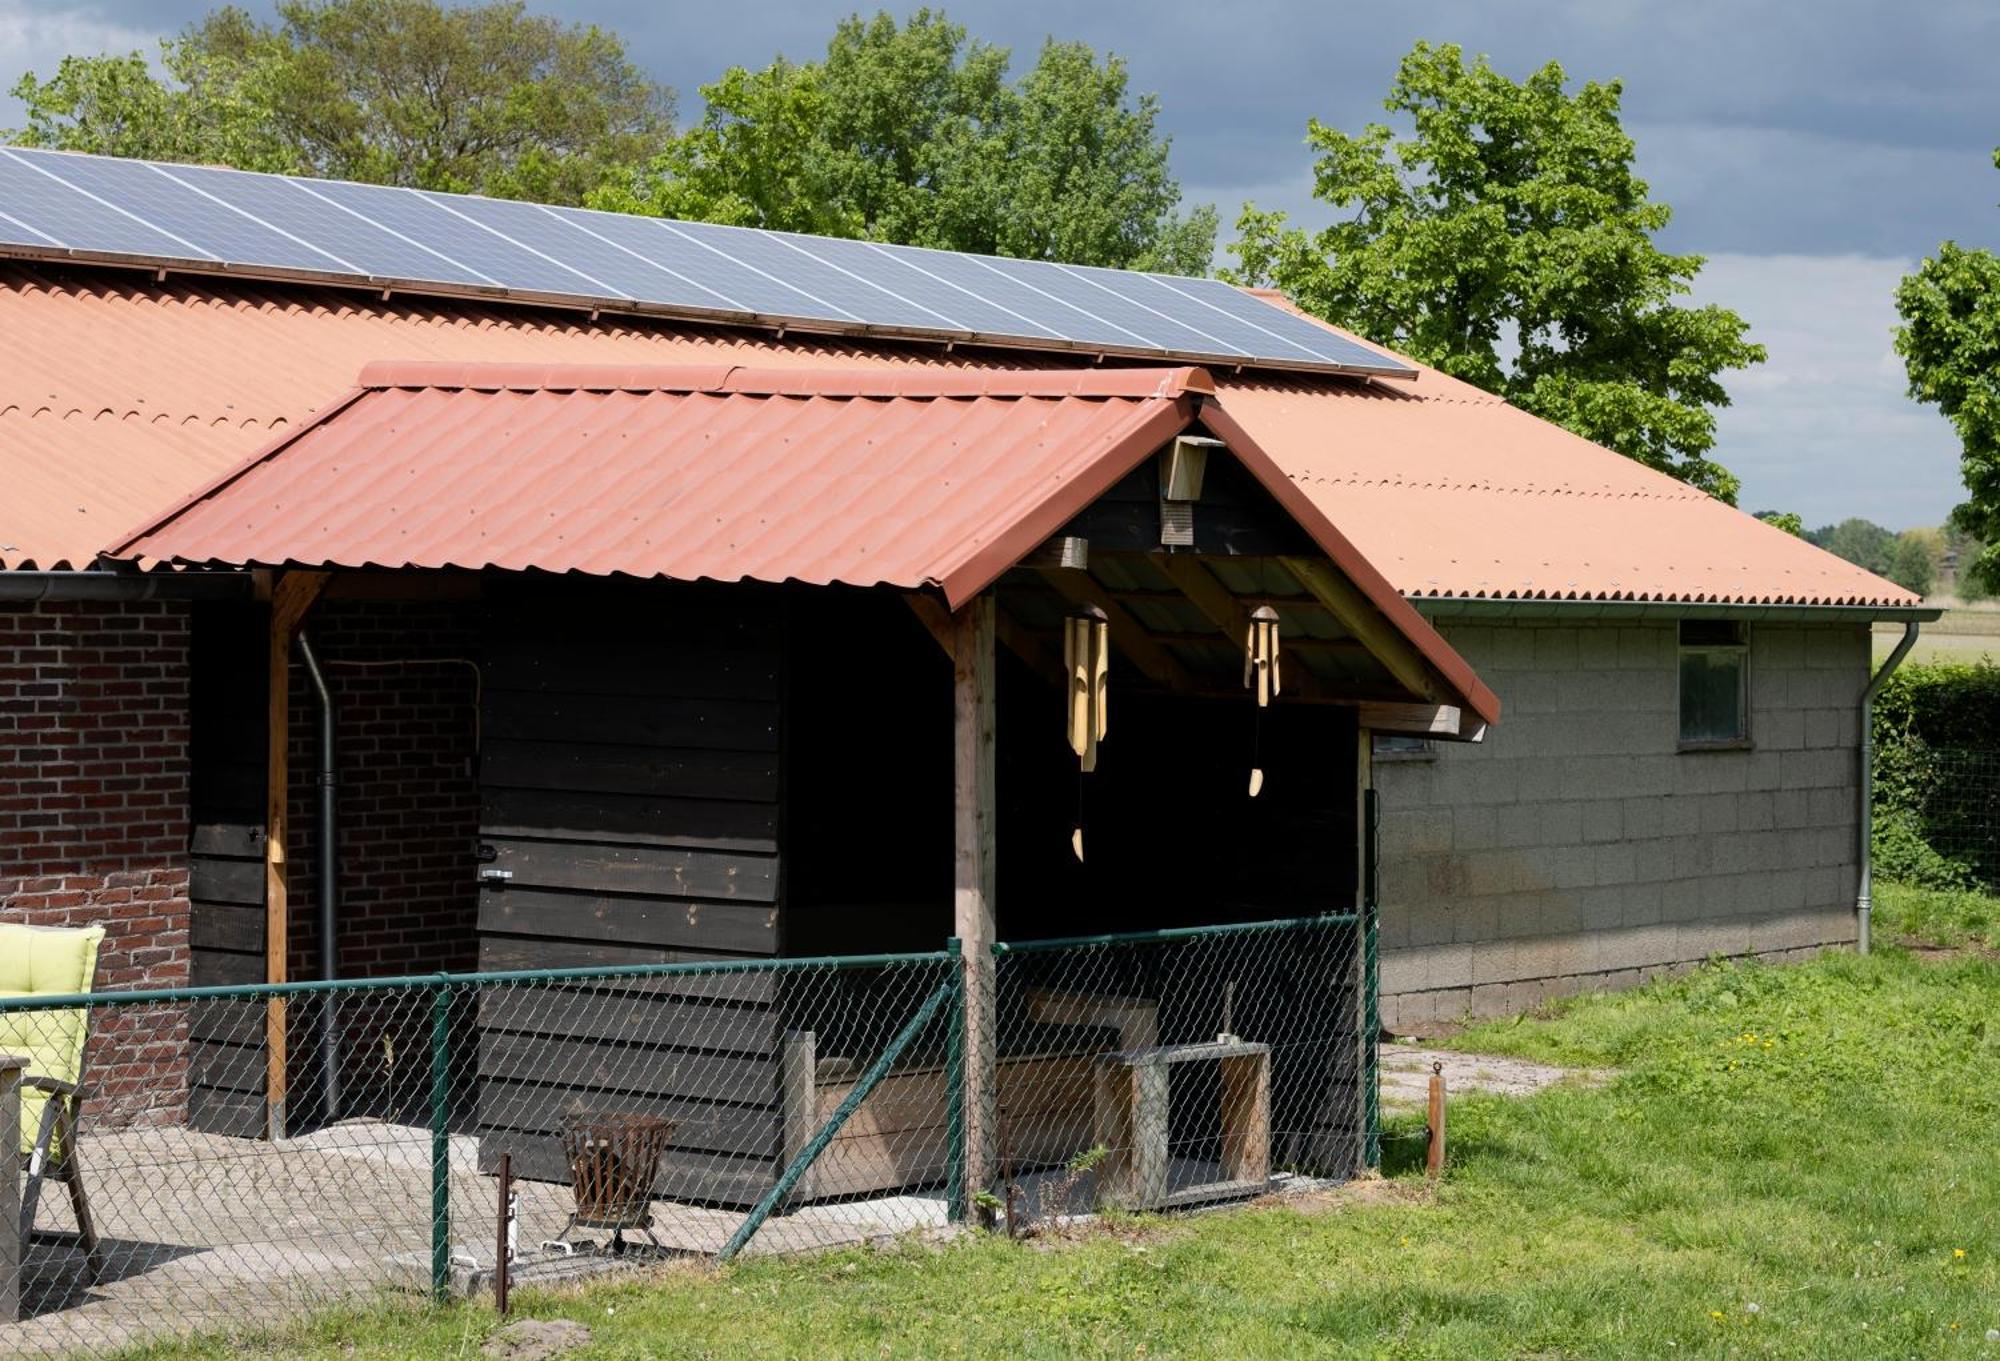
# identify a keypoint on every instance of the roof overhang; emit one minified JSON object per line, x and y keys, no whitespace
{"x":1483,"y":607}
{"x":916,"y":479}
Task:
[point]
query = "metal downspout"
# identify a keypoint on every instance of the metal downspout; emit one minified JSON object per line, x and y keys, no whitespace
{"x":1864,"y":901}
{"x":329,"y":888}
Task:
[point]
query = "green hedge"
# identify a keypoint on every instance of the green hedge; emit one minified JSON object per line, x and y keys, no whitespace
{"x":1937,"y":776}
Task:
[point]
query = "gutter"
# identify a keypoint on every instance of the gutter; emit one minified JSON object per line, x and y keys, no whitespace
{"x":1864,"y":899}
{"x":88,"y":585}
{"x":329,"y":887}
{"x":1488,"y":607}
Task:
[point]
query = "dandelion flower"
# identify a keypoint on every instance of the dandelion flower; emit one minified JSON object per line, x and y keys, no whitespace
{"x":1958,"y":1254}
{"x":1716,"y":1314}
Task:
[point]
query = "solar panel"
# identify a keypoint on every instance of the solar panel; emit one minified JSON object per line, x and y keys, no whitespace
{"x":198,"y":217}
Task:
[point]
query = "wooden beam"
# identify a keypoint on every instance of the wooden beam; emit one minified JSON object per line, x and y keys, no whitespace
{"x":1416,"y":720}
{"x":1153,"y":661}
{"x":291,"y":596}
{"x":973,"y":814}
{"x":1347,"y":646}
{"x":1226,"y":612}
{"x":935,"y":618}
{"x":1360,"y":617}
{"x":1064,"y":550}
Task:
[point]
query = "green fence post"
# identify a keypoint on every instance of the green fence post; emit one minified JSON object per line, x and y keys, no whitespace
{"x":1371,"y":984}
{"x":954,"y":1087}
{"x":441,"y":1138}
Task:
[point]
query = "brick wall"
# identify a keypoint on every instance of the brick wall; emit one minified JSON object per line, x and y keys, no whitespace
{"x":408,"y":804}
{"x":1576,"y":848}
{"x":93,"y":819}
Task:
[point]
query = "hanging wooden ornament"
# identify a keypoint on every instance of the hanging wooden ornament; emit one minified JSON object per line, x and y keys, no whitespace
{"x":1087,"y":679}
{"x":1261,"y":676}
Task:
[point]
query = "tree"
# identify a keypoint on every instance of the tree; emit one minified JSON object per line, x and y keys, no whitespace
{"x":912,"y":133}
{"x":1862,"y":542}
{"x":1786,"y":520}
{"x":1950,"y":343}
{"x":1913,"y":563}
{"x":1507,"y":242}
{"x":485,"y":98}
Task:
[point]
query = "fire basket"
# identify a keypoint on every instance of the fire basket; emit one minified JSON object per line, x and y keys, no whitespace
{"x":613,"y":1159}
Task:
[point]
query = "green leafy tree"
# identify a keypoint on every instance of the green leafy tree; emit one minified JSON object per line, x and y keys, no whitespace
{"x":1862,"y":542}
{"x":1507,"y":242}
{"x":913,"y":133}
{"x":483,"y":98}
{"x":1784,"y":519}
{"x":1913,"y":561}
{"x":1950,"y":343}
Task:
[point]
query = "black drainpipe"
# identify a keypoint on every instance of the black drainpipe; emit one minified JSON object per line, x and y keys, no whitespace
{"x":329,"y":888}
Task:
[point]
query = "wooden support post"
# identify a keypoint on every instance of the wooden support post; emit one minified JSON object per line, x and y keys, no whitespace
{"x":1434,"y":1157}
{"x":291,"y":596}
{"x":973,"y":746}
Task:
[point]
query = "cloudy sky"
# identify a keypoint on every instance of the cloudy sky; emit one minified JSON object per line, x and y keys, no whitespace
{"x":1812,"y":149}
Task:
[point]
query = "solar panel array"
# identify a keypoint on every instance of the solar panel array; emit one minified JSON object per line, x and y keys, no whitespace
{"x":199,"y":217}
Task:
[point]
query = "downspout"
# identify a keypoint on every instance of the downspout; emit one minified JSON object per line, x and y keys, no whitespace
{"x":1864,"y":902}
{"x":329,"y":887}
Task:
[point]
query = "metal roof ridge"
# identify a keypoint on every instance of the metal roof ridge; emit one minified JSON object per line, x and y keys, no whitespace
{"x":780,"y":381}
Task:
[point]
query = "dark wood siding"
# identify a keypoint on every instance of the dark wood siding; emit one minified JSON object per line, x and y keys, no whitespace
{"x":226,"y":863}
{"x":630,"y":784}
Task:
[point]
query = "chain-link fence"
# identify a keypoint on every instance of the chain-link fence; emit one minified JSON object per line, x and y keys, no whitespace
{"x":1937,"y":816}
{"x":648,"y":1114}
{"x":1179,"y":1067}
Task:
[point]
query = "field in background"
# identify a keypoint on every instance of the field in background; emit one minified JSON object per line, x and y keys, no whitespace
{"x":1966,"y":633}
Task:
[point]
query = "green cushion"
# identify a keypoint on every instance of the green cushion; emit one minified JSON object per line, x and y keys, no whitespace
{"x":48,"y":961}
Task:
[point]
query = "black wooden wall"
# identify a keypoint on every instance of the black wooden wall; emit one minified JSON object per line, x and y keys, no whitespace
{"x":227,"y":745}
{"x":630,"y":800}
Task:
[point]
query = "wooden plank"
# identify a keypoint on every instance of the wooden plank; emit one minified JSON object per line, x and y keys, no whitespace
{"x":291,"y":596}
{"x":974,"y":810}
{"x":226,"y":881}
{"x":681,"y":664}
{"x":229,"y":840}
{"x":656,"y":871}
{"x":650,"y":1071}
{"x":225,"y":969}
{"x":695,"y":1178}
{"x":499,"y":953}
{"x":1246,"y":1117}
{"x":1360,"y":617}
{"x":1134,"y":644}
{"x":227,"y":1067}
{"x":634,"y":819}
{"x":213,"y":1111}
{"x":225,"y":1020}
{"x":1419,"y":720}
{"x":631,"y":770}
{"x":632,"y":720}
{"x":236,"y":927}
{"x":935,"y":618}
{"x":710,"y":1126}
{"x":605,"y":1014}
{"x":724,"y":928}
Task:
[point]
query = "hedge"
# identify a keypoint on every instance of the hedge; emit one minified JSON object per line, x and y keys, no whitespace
{"x":1937,"y":776}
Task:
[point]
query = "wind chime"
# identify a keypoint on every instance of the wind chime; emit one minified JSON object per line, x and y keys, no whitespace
{"x":1260,"y":676}
{"x":1087,"y":667}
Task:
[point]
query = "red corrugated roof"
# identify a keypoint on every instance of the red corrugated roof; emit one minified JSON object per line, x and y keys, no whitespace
{"x":906,"y":478}
{"x":896,"y":477}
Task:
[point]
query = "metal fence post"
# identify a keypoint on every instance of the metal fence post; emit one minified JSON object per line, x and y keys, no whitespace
{"x":1371,"y":983}
{"x":954,"y":1087}
{"x":441,"y":1137}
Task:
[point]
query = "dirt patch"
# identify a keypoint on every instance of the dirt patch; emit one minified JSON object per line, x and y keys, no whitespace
{"x":536,"y":1339}
{"x":1406,"y":1075}
{"x":1368,"y":1188}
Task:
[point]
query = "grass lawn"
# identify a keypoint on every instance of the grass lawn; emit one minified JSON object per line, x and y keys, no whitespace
{"x":1795,"y":1162}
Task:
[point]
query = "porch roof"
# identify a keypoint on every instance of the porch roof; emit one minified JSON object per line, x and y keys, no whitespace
{"x":864,"y":477}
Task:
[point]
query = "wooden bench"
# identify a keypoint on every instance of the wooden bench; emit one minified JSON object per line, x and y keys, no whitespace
{"x":1133,"y":1110}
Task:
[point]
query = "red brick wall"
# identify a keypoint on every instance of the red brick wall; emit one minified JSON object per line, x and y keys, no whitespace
{"x":408,"y":805}
{"x":93,"y":819}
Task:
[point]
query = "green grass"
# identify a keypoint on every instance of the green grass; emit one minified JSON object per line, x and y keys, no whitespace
{"x":1818,"y":1141}
{"x":1948,"y":917}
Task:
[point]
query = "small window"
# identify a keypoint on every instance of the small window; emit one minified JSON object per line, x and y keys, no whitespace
{"x":1391,"y":746}
{"x":1714,"y":684}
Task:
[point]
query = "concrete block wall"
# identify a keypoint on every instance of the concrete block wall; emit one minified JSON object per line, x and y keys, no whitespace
{"x":1577,"y":848}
